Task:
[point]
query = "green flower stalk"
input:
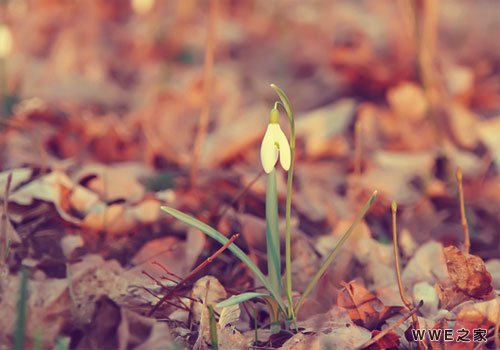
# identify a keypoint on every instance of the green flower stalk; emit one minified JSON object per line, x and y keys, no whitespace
{"x":288,"y":209}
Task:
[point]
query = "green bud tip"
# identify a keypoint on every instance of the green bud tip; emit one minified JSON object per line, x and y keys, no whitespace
{"x":394,"y":206}
{"x":274,"y":116}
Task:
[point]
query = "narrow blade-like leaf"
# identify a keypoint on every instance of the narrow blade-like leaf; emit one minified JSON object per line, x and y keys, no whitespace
{"x":214,"y":339}
{"x":19,"y":335}
{"x":236,"y":299}
{"x":335,"y":251}
{"x":219,"y":237}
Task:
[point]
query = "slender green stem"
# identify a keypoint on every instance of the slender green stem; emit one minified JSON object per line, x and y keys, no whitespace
{"x":288,"y":237}
{"x":272,"y":232}
{"x":288,"y":210}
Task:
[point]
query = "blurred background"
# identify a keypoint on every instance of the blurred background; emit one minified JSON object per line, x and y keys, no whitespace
{"x":389,"y":95}
{"x":110,"y":108}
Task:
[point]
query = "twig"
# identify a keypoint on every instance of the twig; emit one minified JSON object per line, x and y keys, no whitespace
{"x":154,"y":279}
{"x":391,"y":327}
{"x":194,"y":272}
{"x":404,"y":299}
{"x":182,"y":306}
{"x":157,"y":263}
{"x":426,"y":23}
{"x":463,"y":218}
{"x":207,"y":90}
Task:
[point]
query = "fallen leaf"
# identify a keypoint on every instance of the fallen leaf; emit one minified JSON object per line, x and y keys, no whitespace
{"x":463,"y":124}
{"x":321,"y":127}
{"x":388,"y":341}
{"x":408,"y":101}
{"x":364,"y":308}
{"x":449,"y":295}
{"x":427,"y":293}
{"x":228,"y":315}
{"x":428,"y":264}
{"x":468,"y":272}
{"x":493,"y":266}
{"x":348,"y":337}
{"x":19,"y":175}
{"x":394,"y":172}
{"x":206,"y":291}
{"x":49,"y":188}
{"x":119,"y":181}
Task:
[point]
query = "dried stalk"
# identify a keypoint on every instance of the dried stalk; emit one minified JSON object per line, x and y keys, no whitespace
{"x":463,"y":218}
{"x":409,"y":304}
{"x":207,"y":90}
{"x":379,"y":336}
{"x":193,"y":273}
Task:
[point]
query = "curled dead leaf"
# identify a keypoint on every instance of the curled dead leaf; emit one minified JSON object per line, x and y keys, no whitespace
{"x":364,"y":308}
{"x":468,"y":272}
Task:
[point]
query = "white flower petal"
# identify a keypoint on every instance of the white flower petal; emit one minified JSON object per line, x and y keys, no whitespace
{"x":285,"y":156}
{"x":268,"y":152}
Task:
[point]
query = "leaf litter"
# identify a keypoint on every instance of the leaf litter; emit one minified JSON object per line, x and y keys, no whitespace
{"x":98,"y":141}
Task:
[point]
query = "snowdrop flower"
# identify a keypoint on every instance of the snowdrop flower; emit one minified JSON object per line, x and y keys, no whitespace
{"x":5,"y":41}
{"x":273,"y":144}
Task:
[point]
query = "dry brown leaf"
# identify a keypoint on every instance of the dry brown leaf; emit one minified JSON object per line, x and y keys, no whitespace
{"x":428,"y":264}
{"x":19,"y":176}
{"x":471,"y":316}
{"x":347,"y":337}
{"x":121,"y":218}
{"x":319,"y":128}
{"x":459,"y":81}
{"x":388,"y":341}
{"x":464,"y":126}
{"x":119,"y":181}
{"x":468,"y":272}
{"x":112,"y":219}
{"x":449,"y":295}
{"x":493,"y":266}
{"x":51,"y":188}
{"x":176,"y":256}
{"x":394,"y":172}
{"x":325,"y":321}
{"x":237,"y":136}
{"x":206,"y":291}
{"x":408,"y":101}
{"x":427,"y":293}
{"x":302,"y":341}
{"x":364,"y":308}
{"x":113,"y":327}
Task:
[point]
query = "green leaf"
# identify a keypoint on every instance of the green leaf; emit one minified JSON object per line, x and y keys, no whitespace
{"x":236,"y":299}
{"x":213,"y":328}
{"x":272,"y":232}
{"x":335,"y":251}
{"x":21,"y":311}
{"x":219,"y":237}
